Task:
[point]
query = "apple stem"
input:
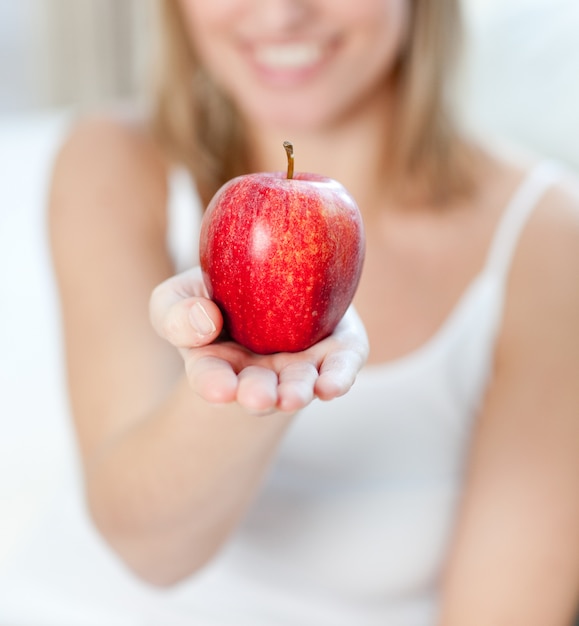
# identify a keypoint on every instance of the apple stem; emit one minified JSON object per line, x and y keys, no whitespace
{"x":289,"y":149}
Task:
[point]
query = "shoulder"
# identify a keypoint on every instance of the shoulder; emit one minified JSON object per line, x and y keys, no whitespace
{"x":104,"y":154}
{"x":108,"y":192}
{"x":549,"y":246}
{"x":542,"y":306}
{"x":556,"y":217}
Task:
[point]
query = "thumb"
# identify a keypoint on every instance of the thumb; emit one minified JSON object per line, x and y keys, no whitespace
{"x":191,"y":323}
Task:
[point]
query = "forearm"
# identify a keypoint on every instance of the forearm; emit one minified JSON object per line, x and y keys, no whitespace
{"x":167,"y":493}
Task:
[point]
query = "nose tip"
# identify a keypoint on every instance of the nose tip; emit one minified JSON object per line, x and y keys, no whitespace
{"x":283,"y":16}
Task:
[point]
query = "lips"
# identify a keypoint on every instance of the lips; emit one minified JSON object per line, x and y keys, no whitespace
{"x":289,"y":63}
{"x":291,"y":56}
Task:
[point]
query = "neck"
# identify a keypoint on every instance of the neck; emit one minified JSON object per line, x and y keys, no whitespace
{"x":351,"y":150}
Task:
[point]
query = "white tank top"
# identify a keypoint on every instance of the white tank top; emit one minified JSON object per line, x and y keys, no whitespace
{"x":354,"y":520}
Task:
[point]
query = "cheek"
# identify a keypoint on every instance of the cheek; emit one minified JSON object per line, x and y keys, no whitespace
{"x":382,"y":33}
{"x":207,"y":12}
{"x":368,"y":10}
{"x":392,"y":30}
{"x":206,"y":21}
{"x":388,"y":19}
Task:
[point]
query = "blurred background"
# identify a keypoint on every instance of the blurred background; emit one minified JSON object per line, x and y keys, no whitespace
{"x":56,"y":53}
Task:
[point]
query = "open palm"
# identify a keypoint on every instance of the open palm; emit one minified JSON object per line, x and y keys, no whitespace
{"x":223,"y":371}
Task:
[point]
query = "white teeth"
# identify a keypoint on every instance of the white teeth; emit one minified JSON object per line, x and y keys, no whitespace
{"x":288,"y":56}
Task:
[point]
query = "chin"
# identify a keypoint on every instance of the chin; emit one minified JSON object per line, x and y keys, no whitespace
{"x":298,"y":117}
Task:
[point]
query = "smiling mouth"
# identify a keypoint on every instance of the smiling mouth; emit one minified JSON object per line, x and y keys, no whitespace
{"x":288,"y":56}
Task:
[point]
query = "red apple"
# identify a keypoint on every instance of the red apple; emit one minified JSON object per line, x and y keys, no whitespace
{"x":281,"y":256}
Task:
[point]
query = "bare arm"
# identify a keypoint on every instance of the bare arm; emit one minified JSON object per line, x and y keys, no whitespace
{"x":168,"y":474}
{"x":515,"y":561}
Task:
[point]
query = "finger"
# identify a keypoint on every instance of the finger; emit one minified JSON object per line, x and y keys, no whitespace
{"x":211,"y":377}
{"x":337,"y":374}
{"x":296,"y":386}
{"x":340,"y":367}
{"x":183,"y":286}
{"x":257,"y":391}
{"x":191,"y":323}
{"x":351,"y":333}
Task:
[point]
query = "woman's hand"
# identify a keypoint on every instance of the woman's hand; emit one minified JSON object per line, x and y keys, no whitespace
{"x":223,"y":371}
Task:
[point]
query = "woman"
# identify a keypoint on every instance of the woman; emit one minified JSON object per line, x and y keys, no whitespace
{"x":443,"y":487}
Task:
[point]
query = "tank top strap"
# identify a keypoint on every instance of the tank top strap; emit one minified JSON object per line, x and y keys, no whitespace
{"x":183,"y":219}
{"x":525,"y":199}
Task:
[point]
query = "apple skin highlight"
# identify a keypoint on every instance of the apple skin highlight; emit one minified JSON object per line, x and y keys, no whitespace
{"x":282,"y":258}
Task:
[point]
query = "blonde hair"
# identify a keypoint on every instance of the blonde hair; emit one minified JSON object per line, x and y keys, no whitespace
{"x":198,"y":126}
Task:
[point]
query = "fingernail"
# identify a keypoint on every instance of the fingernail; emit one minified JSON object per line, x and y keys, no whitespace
{"x":201,"y":322}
